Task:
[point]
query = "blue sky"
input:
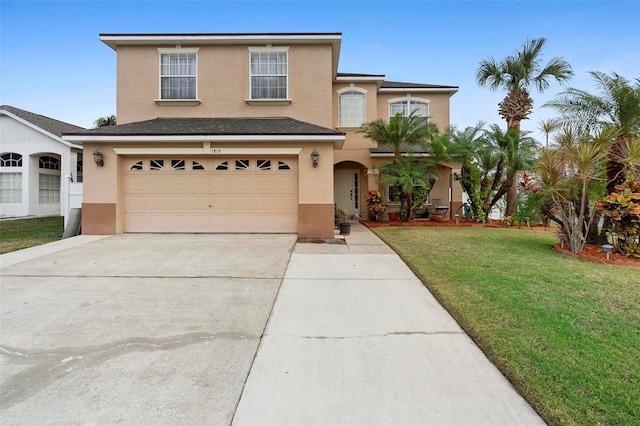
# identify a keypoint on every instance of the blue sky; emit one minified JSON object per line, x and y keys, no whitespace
{"x":53,"y":63}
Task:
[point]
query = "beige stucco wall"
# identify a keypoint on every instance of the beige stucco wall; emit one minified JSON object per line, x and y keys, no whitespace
{"x":223,"y":85}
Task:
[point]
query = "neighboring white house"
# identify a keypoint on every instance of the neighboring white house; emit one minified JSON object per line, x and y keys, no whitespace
{"x":34,"y":161}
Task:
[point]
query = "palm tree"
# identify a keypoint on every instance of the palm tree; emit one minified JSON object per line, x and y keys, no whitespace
{"x":548,"y":126}
{"x":516,"y":74}
{"x":109,"y":120}
{"x":467,"y":149}
{"x":406,"y":174}
{"x":402,"y":134}
{"x":616,"y":107}
{"x":515,"y":152}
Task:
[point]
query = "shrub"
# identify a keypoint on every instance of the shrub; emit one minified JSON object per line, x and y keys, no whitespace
{"x":623,"y":208}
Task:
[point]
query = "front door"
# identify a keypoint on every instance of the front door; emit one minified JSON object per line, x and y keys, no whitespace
{"x":346,"y":190}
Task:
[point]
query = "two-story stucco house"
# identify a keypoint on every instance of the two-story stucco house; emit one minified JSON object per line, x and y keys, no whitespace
{"x":34,"y":161}
{"x":242,"y":133}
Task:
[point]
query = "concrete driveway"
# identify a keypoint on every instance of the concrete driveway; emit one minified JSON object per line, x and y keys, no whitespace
{"x":135,"y":329}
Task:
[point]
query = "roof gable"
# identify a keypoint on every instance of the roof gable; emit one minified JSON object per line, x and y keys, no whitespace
{"x":46,"y":125}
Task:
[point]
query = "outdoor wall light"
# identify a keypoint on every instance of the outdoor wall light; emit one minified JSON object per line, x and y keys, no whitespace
{"x":607,"y":248}
{"x":314,"y":158}
{"x":562,"y":238}
{"x":97,"y":157}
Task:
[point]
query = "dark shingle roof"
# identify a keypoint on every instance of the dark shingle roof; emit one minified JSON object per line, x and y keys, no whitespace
{"x":212,"y":126}
{"x":401,"y":85}
{"x":385,"y":149}
{"x":353,"y":74}
{"x":48,"y":124}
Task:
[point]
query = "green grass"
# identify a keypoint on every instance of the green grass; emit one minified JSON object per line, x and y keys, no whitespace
{"x":22,"y":233}
{"x":565,"y":332}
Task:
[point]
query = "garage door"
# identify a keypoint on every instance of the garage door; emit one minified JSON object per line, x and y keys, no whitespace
{"x":211,"y":194}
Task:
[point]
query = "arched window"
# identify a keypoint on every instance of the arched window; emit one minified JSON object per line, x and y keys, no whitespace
{"x":351,"y":108}
{"x":49,"y":162}
{"x":406,"y":106}
{"x":10,"y":159}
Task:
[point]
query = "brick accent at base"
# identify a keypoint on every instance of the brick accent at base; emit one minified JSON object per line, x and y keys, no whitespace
{"x":316,"y":220}
{"x":98,"y":219}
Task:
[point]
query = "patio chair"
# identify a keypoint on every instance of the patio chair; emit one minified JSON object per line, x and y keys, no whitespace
{"x":440,"y":207}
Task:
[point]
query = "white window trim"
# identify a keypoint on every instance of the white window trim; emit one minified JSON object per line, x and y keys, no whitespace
{"x":266,"y":102}
{"x":408,"y":98}
{"x":169,"y":50}
{"x":352,"y":89}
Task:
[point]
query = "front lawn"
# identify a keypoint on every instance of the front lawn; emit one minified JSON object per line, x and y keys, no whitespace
{"x":22,"y":233}
{"x":565,"y":332}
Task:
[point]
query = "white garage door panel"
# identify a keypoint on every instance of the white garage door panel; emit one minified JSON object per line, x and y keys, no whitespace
{"x":210,"y":200}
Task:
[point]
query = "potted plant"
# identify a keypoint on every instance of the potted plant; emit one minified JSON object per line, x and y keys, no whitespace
{"x":376,"y":205}
{"x":342,"y":219}
{"x":437,"y":217}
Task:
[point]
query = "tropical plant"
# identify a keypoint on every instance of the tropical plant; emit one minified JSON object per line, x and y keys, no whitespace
{"x":547,"y":127}
{"x":342,"y":216}
{"x":404,"y":135}
{"x":494,"y":156}
{"x":623,"y":207}
{"x":569,"y":177}
{"x":401,"y":134}
{"x":616,"y":107}
{"x":109,"y":120}
{"x":407,"y":175}
{"x":516,"y":74}
{"x":375,"y":205}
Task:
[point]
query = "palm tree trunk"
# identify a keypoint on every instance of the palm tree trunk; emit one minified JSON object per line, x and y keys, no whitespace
{"x":512,"y":196}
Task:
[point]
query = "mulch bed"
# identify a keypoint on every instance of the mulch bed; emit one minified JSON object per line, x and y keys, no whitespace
{"x":591,"y":252}
{"x":595,"y":253}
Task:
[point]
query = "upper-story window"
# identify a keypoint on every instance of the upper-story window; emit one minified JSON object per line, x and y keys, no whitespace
{"x":178,"y":74}
{"x":269,"y":73}
{"x":406,"y":106}
{"x":351,"y":107}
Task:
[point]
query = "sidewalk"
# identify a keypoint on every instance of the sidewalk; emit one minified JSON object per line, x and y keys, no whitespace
{"x":355,"y":338}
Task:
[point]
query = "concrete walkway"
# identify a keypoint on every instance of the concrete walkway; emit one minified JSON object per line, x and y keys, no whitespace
{"x":355,"y":338}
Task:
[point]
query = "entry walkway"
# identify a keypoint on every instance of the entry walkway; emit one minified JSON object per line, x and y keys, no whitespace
{"x":355,"y":338}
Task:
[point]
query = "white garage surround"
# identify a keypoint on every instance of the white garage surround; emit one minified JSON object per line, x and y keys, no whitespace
{"x":224,"y":193}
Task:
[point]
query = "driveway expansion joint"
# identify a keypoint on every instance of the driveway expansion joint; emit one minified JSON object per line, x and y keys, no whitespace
{"x":373,"y":336}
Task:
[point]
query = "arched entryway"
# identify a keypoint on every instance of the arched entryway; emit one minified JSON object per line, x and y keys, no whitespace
{"x":350,"y":185}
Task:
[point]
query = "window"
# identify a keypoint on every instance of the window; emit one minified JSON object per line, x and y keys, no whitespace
{"x":10,"y":159}
{"x":264,"y":164}
{"x":269,"y":71}
{"x":10,"y":188}
{"x":137,"y":166}
{"x":49,"y":163}
{"x":196,"y":166}
{"x":178,"y":165}
{"x":351,"y":108}
{"x":242,"y":164}
{"x":49,"y":189}
{"x":223,"y":166}
{"x":406,"y":106}
{"x":283,"y":166}
{"x":156,"y":164}
{"x":178,"y":75}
